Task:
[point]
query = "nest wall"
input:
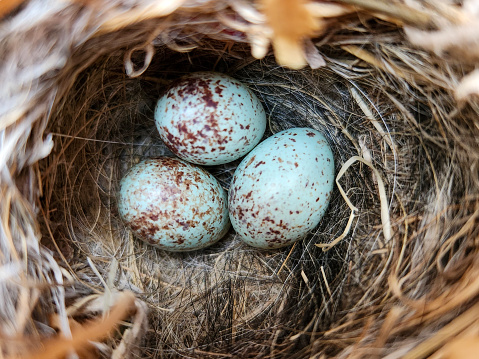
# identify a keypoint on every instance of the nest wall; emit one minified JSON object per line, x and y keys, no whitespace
{"x":389,"y":272}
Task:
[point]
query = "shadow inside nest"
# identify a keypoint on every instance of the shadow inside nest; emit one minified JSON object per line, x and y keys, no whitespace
{"x":221,"y":297}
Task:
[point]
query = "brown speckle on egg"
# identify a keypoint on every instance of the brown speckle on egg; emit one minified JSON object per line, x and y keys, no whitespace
{"x":199,"y":115}
{"x":151,"y":202}
{"x":279,"y":205}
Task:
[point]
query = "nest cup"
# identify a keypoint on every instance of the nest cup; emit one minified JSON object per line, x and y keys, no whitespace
{"x":391,"y":270}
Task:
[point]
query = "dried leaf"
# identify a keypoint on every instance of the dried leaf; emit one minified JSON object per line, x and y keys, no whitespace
{"x":83,"y":334}
{"x":463,"y":348}
{"x":313,"y":57}
{"x":7,"y":6}
{"x":469,"y":86}
{"x":292,"y":23}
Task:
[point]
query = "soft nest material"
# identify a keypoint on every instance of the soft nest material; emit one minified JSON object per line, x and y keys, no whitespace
{"x":391,"y":271}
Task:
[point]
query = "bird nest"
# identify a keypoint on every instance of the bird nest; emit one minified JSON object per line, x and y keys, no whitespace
{"x":391,"y":270}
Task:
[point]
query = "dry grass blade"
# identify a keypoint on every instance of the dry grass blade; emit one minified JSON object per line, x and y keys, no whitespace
{"x":81,"y":80}
{"x":82,"y":335}
{"x":395,"y":10}
{"x":467,"y":319}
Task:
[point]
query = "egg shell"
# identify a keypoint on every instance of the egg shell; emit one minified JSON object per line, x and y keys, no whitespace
{"x":281,"y":190}
{"x":173,"y":205}
{"x":209,"y":118}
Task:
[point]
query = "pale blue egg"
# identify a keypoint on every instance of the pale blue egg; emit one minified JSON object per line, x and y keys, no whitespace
{"x":281,"y":189}
{"x":209,"y":118}
{"x":173,"y":205}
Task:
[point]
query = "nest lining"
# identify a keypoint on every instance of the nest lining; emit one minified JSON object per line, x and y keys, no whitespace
{"x":232,"y":300}
{"x":214,"y":300}
{"x":210,"y":297}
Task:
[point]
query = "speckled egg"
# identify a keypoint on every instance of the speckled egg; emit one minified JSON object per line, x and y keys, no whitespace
{"x":209,"y":118}
{"x":280,"y":191}
{"x":173,"y":205}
